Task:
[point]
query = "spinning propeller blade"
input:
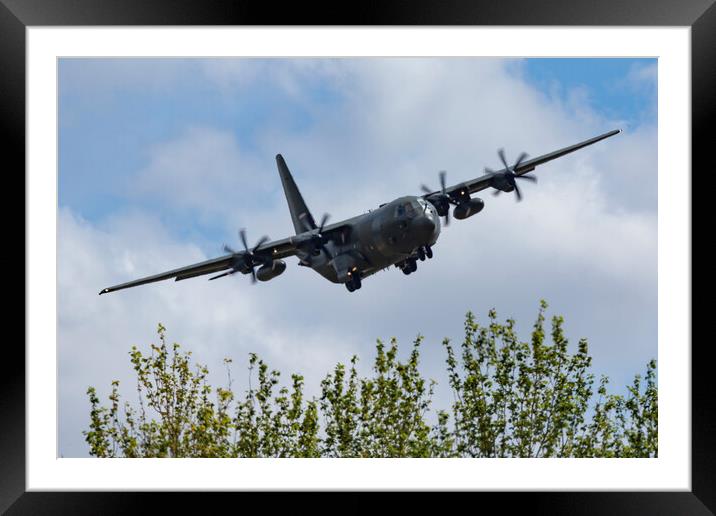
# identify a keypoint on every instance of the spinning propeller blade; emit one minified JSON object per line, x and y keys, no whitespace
{"x":509,"y":175}
{"x":442,"y":198}
{"x":247,"y":255}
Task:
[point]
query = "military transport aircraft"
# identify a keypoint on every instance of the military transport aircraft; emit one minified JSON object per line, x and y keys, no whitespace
{"x":400,"y":233}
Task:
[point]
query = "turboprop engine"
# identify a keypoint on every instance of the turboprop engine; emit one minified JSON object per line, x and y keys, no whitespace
{"x":271,"y":270}
{"x":468,"y":208}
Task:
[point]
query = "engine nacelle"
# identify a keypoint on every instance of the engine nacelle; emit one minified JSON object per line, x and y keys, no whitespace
{"x":270,"y":271}
{"x":468,"y":208}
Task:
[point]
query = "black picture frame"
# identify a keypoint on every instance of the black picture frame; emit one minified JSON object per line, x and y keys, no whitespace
{"x":16,"y":15}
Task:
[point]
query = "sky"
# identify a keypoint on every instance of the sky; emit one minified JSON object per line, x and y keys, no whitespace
{"x":161,"y":161}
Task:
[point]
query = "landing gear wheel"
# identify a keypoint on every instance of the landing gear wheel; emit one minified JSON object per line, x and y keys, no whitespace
{"x":410,"y":266}
{"x":428,"y":251}
{"x":421,"y":254}
{"x":353,"y":284}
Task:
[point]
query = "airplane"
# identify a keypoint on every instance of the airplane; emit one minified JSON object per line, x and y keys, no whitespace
{"x":399,"y":233}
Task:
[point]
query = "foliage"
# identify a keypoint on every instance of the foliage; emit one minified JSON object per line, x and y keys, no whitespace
{"x":520,"y":399}
{"x":383,"y":416}
{"x":511,"y":399}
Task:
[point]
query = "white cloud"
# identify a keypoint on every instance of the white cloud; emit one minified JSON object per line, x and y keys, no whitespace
{"x":202,"y":170}
{"x":584,"y":238}
{"x":643,"y":75}
{"x":227,"y":318}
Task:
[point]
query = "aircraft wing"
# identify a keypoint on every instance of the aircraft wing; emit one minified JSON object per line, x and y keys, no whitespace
{"x":276,"y":249}
{"x":485,"y":181}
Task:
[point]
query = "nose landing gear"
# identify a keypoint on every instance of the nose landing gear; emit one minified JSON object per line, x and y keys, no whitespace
{"x":409,"y":266}
{"x":424,"y":252}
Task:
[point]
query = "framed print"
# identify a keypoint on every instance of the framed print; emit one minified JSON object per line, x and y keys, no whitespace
{"x":145,"y":148}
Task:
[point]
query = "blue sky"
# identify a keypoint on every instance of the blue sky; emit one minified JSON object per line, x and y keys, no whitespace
{"x":605,"y":82}
{"x":161,"y":161}
{"x":110,"y":127}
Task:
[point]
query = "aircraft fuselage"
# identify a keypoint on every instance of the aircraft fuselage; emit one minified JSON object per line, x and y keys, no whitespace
{"x":389,"y":235}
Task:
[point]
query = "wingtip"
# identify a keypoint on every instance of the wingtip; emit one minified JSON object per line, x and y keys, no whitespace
{"x":103,"y":291}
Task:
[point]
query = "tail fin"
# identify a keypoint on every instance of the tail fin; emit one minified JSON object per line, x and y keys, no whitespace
{"x":301,"y":216}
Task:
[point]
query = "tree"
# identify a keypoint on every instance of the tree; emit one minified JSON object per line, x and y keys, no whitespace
{"x":532,"y":399}
{"x":383,"y":416}
{"x":512,"y":399}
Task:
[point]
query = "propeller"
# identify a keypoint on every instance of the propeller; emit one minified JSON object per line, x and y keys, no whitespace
{"x":509,"y":175}
{"x":247,"y":256}
{"x":442,"y":198}
{"x":318,"y":240}
{"x":324,"y":219}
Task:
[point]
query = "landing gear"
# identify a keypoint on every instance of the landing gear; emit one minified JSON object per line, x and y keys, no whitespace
{"x":410,"y":266}
{"x":354,"y":283}
{"x":424,"y":252}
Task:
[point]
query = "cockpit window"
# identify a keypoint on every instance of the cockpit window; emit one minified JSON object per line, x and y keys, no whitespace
{"x":406,"y":209}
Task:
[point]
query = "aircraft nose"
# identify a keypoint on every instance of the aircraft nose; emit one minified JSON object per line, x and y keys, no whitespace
{"x":425,"y":226}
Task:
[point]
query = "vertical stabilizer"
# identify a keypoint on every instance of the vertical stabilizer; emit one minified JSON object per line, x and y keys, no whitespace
{"x":302,"y":218}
